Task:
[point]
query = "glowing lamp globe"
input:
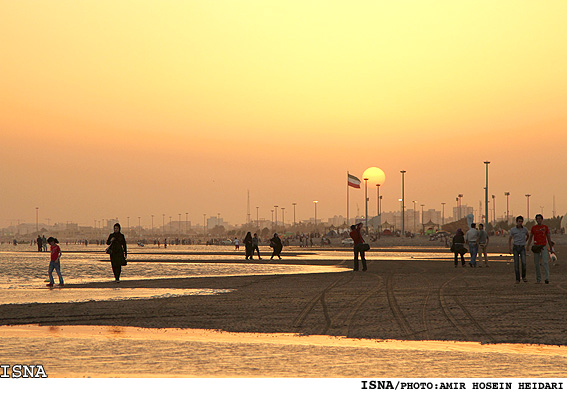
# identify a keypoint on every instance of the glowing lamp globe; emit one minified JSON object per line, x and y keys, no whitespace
{"x":374,"y":175}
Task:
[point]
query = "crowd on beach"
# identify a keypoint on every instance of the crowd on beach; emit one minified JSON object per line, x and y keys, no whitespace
{"x":474,"y":242}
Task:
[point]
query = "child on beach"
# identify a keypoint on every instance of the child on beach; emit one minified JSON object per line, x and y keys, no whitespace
{"x":55,"y":262}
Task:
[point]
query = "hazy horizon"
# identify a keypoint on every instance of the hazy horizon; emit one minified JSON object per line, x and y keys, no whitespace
{"x":116,"y":109}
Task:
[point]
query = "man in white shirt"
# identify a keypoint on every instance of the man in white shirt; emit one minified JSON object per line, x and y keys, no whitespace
{"x":519,"y":235}
{"x":472,"y":238}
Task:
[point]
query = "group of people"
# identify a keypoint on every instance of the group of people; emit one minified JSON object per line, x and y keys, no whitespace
{"x":519,"y":241}
{"x":251,"y":245}
{"x":477,"y":239}
{"x":41,"y":243}
{"x":116,"y":249}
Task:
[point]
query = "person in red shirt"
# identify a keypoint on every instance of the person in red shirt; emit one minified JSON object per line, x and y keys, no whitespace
{"x":55,"y":263}
{"x":358,"y":246}
{"x":540,"y":235}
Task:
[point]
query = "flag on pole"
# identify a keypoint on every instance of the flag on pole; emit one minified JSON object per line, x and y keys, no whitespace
{"x":353,"y":181}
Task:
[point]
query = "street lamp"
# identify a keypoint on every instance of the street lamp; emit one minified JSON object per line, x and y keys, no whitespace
{"x":507,"y":194}
{"x":403,"y":205}
{"x":460,"y":205}
{"x":315,"y":202}
{"x":422,"y":220}
{"x":283,"y":217}
{"x":294,"y":204}
{"x":494,"y":209}
{"x":366,"y":204}
{"x":486,"y":198}
{"x":276,"y":210}
{"x":414,"y":218}
{"x":378,"y":214}
{"x":528,"y":198}
{"x":443,"y":214}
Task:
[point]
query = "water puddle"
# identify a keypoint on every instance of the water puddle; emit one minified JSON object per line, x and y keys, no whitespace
{"x":69,"y":295}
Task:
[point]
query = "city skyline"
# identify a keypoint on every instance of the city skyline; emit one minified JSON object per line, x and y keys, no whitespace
{"x":184,"y":107}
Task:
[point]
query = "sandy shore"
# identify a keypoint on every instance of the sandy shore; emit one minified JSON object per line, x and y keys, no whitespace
{"x":414,"y":300}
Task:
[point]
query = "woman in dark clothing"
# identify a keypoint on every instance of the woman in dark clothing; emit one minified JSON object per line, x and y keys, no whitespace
{"x":276,"y":243}
{"x":248,"y":245}
{"x":458,"y":247}
{"x":118,"y":251}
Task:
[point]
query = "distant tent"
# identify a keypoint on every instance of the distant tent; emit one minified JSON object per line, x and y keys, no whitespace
{"x":430,"y":224}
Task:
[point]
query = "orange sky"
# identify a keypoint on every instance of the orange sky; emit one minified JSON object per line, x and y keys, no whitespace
{"x":133,"y":108}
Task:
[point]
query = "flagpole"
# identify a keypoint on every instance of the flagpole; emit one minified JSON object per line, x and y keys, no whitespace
{"x":347,"y":218}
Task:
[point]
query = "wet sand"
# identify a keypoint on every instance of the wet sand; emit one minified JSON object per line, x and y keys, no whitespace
{"x":408,"y":300}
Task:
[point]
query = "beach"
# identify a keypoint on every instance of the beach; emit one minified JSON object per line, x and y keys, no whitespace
{"x":408,"y":300}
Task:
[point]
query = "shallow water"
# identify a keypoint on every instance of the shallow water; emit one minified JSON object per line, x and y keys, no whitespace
{"x":23,"y":273}
{"x":104,"y":351}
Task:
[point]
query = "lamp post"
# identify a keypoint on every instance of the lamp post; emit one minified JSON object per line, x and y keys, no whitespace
{"x":366,"y":204}
{"x":494,"y":209}
{"x":272,"y":219}
{"x":186,"y":223}
{"x":460,"y":206}
{"x":378,"y":208}
{"x":315,"y":202}
{"x":276,"y":211}
{"x":507,"y":194}
{"x":486,"y":198}
{"x":443,"y":214}
{"x":283,"y":218}
{"x":528,"y":198}
{"x":403,"y":205}
{"x":422,"y":220}
{"x":128,"y":223}
{"x":414,"y":218}
{"x":294,"y":204}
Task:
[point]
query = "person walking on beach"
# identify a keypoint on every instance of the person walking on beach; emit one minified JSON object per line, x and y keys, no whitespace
{"x":44,"y":243}
{"x":482,"y":243}
{"x":255,"y":244}
{"x":458,"y":247}
{"x":471,"y":237}
{"x":55,"y":262}
{"x":118,"y":251}
{"x":236,"y":243}
{"x":358,"y":246}
{"x":248,"y":245}
{"x":519,"y":234}
{"x":39,"y":246}
{"x":541,"y":237}
{"x":276,"y":243}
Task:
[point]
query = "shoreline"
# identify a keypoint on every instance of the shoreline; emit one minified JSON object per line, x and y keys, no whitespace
{"x":403,"y":300}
